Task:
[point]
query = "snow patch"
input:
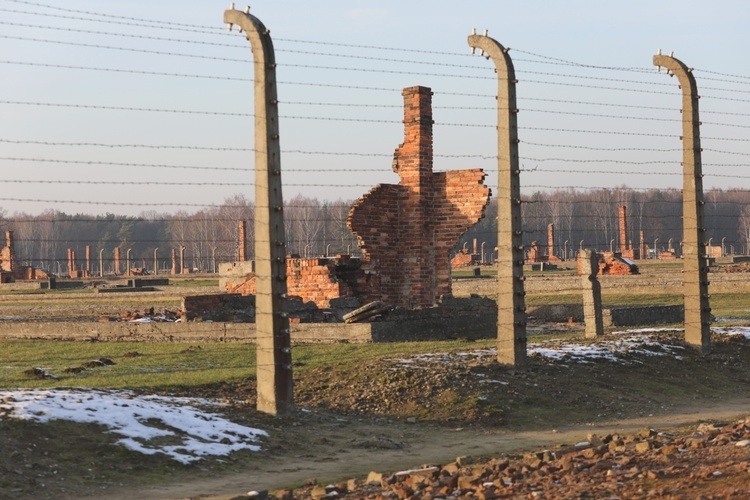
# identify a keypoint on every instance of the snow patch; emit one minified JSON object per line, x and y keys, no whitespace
{"x":139,"y":419}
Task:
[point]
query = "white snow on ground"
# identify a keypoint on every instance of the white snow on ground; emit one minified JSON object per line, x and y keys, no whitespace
{"x":619,"y":350}
{"x":193,"y":433}
{"x":610,"y":350}
{"x":642,"y":341}
{"x":732,"y":330}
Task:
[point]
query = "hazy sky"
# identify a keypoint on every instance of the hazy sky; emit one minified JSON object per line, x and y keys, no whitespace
{"x":584,"y":71}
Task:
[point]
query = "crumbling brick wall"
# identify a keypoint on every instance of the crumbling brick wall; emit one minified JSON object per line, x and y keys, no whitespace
{"x":8,"y":261}
{"x":464,"y":258}
{"x":612,"y":263}
{"x":11,"y":270}
{"x":408,"y":230}
{"x":320,"y":280}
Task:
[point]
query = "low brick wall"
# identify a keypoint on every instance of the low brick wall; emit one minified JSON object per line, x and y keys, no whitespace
{"x":220,"y":307}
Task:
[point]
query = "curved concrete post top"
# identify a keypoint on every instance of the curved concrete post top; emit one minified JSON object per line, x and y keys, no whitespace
{"x":675,"y":67}
{"x":495,"y":51}
{"x":255,"y":32}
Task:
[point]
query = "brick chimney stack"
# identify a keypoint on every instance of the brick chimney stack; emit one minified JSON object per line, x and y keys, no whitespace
{"x":624,"y":245}
{"x":242,"y":231}
{"x":413,"y":159}
{"x":550,"y":241}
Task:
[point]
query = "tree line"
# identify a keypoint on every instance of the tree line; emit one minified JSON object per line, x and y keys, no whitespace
{"x":581,"y":218}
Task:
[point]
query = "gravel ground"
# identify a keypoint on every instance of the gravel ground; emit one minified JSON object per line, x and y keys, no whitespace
{"x":711,"y":461}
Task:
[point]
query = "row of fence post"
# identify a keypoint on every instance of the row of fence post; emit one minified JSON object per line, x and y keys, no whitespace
{"x":274,"y":363}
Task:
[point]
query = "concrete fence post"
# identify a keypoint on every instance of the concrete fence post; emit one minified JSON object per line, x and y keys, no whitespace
{"x":273,"y":339}
{"x":101,"y":262}
{"x":592,"y":294}
{"x":156,"y":261}
{"x":694,"y":251}
{"x":511,"y":302}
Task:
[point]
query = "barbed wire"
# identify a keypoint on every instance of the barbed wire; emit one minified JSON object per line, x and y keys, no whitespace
{"x":215,"y":30}
{"x":144,"y":184}
{"x":246,"y":115}
{"x":128,"y":71}
{"x":109,"y":16}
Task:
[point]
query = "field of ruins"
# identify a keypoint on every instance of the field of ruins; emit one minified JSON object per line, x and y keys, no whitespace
{"x":321,"y":264}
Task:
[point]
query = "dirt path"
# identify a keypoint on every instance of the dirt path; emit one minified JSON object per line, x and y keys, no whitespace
{"x":333,"y":449}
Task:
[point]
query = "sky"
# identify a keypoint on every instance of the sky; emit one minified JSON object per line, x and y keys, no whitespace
{"x":131,"y":107}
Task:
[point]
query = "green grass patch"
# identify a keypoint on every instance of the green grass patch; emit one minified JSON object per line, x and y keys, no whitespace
{"x":161,"y":366}
{"x":734,"y":305}
{"x":171,"y":366}
{"x":729,"y":305}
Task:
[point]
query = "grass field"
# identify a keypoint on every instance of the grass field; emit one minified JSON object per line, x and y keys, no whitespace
{"x":170,"y":366}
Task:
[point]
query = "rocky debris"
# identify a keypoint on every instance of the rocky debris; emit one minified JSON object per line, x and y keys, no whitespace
{"x":741,"y":267}
{"x":147,"y":315}
{"x":40,"y":374}
{"x":712,"y":461}
{"x":96,"y":363}
{"x":74,"y":369}
{"x":192,"y":349}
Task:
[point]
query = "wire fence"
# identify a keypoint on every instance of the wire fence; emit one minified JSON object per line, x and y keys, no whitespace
{"x":147,"y":145}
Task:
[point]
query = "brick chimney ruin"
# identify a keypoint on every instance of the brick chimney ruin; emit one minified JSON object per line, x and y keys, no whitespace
{"x":626,"y":249}
{"x":407,"y":230}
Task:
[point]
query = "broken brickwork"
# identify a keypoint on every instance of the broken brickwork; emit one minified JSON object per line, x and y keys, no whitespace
{"x":551,"y":244}
{"x":550,"y":241}
{"x":11,"y":270}
{"x":667,"y":255}
{"x":623,"y":226}
{"x":73,"y":270}
{"x":534,"y":254}
{"x":116,"y":270}
{"x":463,"y":258}
{"x":174,"y":262}
{"x":8,"y":261}
{"x":643,"y":249}
{"x":242,"y":244}
{"x":319,"y":280}
{"x":626,"y":249}
{"x":407,"y":230}
{"x":72,"y":267}
{"x":613,"y":263}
